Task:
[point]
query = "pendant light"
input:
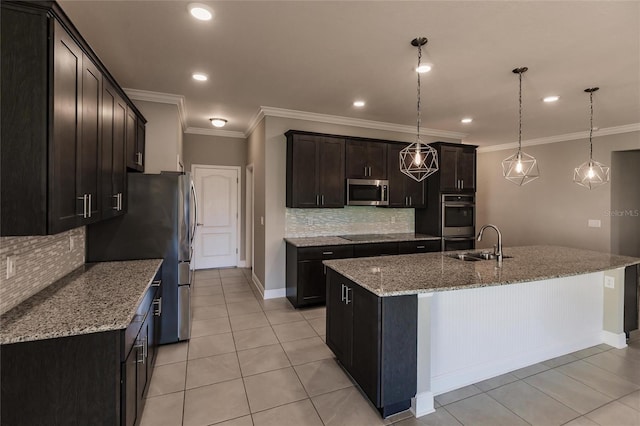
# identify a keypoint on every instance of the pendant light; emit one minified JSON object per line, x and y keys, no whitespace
{"x":591,"y":174}
{"x":520,"y":168}
{"x":418,"y":160}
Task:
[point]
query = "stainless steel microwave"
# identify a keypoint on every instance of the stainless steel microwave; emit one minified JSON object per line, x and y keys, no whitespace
{"x":367,"y":192}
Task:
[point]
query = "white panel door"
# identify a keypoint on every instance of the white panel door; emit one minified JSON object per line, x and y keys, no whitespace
{"x":216,"y":239}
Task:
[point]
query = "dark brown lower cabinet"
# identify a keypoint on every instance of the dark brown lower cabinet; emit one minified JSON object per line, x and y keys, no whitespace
{"x":93,"y":379}
{"x":306,"y":284}
{"x":375,"y":340}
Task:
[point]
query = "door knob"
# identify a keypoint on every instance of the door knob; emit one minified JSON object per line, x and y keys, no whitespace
{"x":199,"y":224}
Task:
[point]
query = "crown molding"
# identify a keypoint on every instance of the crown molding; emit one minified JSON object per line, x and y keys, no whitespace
{"x":627,"y":128}
{"x":215,"y":132}
{"x":163,"y":98}
{"x":253,"y":123}
{"x":266,"y":111}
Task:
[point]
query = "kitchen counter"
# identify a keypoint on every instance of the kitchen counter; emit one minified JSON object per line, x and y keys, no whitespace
{"x":430,"y":272}
{"x":379,"y":238}
{"x":95,"y":297}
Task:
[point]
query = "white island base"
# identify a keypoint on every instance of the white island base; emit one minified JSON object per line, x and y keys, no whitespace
{"x":466,"y":336}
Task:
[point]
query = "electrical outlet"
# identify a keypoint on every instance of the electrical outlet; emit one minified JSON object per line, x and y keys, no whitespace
{"x":11,"y":266}
{"x":594,"y":223}
{"x":261,"y":220}
{"x":609,"y":282}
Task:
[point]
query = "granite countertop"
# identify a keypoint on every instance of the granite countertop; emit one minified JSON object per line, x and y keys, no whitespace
{"x":95,"y":297}
{"x":429,"y":272}
{"x":377,"y":238}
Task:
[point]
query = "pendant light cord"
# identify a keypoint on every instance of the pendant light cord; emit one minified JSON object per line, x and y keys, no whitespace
{"x":418,"y":119}
{"x":591,"y":128}
{"x":520,"y":114}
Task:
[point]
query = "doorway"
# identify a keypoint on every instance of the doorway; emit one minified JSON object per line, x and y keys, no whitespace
{"x":625,"y":203}
{"x":217,"y":238}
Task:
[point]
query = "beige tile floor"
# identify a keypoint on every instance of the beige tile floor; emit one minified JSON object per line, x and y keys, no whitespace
{"x":261,"y":362}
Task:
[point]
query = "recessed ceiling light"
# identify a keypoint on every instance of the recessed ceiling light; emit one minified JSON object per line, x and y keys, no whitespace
{"x":423,"y":68}
{"x":466,"y":120}
{"x":200,"y":11}
{"x":553,"y":98}
{"x":200,"y":76}
{"x":218,"y":122}
{"x":358,"y":104}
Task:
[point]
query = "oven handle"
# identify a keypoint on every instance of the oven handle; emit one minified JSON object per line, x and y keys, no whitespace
{"x":458,"y":204}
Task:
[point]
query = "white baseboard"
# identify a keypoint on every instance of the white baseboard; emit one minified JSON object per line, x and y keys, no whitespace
{"x":422,"y":404}
{"x":242,"y":263}
{"x":617,"y":340}
{"x":256,"y":282}
{"x":275,"y":293}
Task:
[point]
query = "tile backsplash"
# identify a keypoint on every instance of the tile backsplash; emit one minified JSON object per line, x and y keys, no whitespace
{"x":39,"y":260}
{"x":349,"y":220}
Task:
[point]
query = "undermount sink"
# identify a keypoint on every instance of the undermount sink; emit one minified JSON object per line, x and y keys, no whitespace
{"x":476,"y":256}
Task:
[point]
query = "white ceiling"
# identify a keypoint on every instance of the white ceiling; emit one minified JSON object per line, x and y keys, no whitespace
{"x":319,"y":56}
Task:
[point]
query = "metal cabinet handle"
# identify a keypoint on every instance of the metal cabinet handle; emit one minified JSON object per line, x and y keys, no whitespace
{"x":327,"y":252}
{"x":419,"y":247}
{"x":322,"y":200}
{"x":461,"y":183}
{"x":410,"y":201}
{"x":158,"y":304}
{"x":86,"y":206}
{"x":317,"y":200}
{"x":117,"y":206}
{"x":141,"y":345}
{"x":342,"y":292}
{"x":119,"y":201}
{"x":347,"y":300}
{"x":156,"y":283}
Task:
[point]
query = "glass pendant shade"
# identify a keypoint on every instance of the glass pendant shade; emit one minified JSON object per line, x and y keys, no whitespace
{"x":419,"y":161}
{"x":591,"y":174}
{"x":520,"y":168}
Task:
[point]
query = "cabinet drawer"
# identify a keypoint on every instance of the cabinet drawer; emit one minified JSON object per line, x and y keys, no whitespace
{"x":133,"y":329}
{"x":408,"y":247}
{"x":325,"y":252}
{"x":375,"y":249}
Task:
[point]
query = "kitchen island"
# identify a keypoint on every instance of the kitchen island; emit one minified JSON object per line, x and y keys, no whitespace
{"x":425,"y":324}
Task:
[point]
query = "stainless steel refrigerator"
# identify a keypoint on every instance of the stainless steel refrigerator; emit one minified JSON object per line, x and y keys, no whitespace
{"x":159,"y":223}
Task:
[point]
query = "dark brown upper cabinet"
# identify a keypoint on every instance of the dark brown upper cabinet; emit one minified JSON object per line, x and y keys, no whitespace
{"x":315,"y":171}
{"x":52,"y":109}
{"x":457,"y":168}
{"x":403,"y":191}
{"x":135,"y":137}
{"x":113,"y":169}
{"x":366,"y":159}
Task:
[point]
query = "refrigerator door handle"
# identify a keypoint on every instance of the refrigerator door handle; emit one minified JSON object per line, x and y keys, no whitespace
{"x":195,"y":213}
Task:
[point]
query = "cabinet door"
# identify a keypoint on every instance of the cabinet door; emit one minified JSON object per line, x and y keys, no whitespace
{"x":312,"y":282}
{"x":64,"y":146}
{"x":357,"y":166}
{"x":331,"y":180}
{"x":409,"y":247}
{"x":88,"y":178}
{"x":130,"y":137}
{"x":377,"y":160}
{"x":129,"y":397}
{"x":467,"y":169}
{"x":142,"y":372}
{"x":397,"y":195}
{"x":415,"y":193}
{"x":339,"y":319}
{"x":304,"y":171}
{"x":365,"y":368}
{"x":448,"y":169}
{"x":140,"y":142}
{"x":112,"y":168}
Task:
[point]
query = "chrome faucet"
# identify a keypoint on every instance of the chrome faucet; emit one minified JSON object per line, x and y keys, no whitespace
{"x":497,"y":251}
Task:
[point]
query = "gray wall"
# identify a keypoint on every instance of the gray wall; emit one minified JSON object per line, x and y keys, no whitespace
{"x":625,"y":203}
{"x":256,"y":157}
{"x":220,"y":151}
{"x":163,"y":136}
{"x":552,"y":209}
